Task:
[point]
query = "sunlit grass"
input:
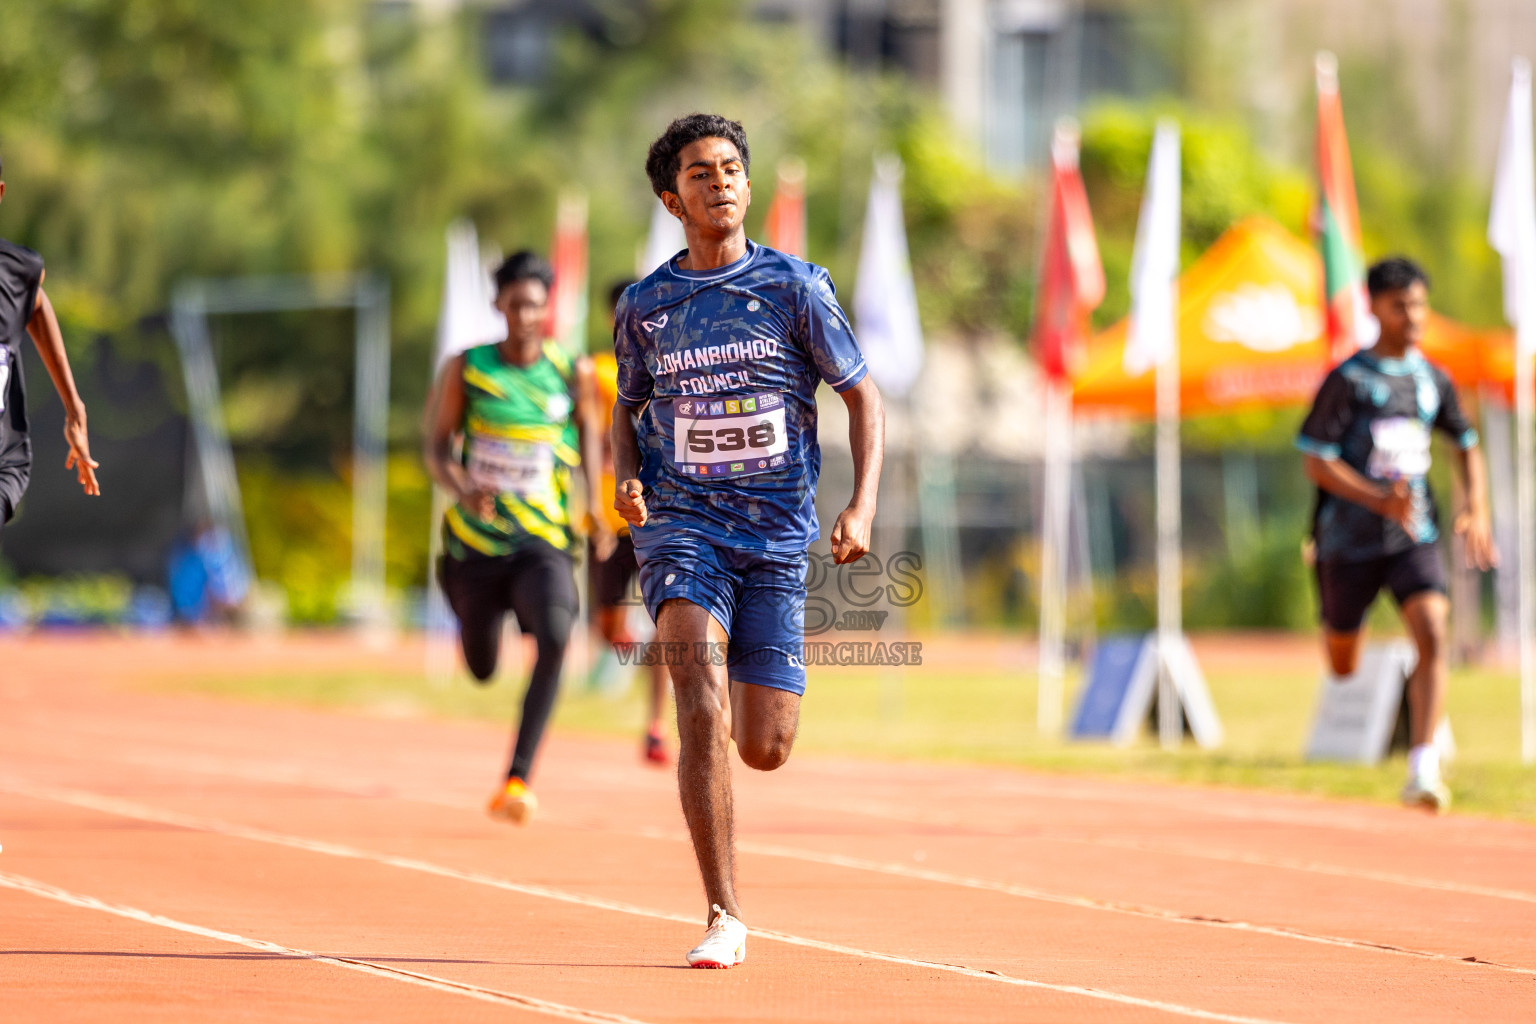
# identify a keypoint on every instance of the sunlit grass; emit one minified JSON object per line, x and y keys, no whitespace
{"x":934,"y":712}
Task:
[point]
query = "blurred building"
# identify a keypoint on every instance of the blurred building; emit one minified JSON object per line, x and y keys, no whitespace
{"x":1005,"y":68}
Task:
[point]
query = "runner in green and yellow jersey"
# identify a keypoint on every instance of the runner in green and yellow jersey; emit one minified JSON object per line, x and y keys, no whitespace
{"x":507,"y":427}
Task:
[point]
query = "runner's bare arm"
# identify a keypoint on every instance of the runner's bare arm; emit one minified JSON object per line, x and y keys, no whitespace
{"x":589,"y":419}
{"x":1338,"y":477}
{"x":628,"y":498}
{"x":1473,"y":522}
{"x":43,"y":326}
{"x":866,"y":435}
{"x":444,"y":418}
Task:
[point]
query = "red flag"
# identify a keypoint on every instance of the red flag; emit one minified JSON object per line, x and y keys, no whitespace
{"x":568,"y":303}
{"x":1071,"y":276}
{"x":785,"y":224}
{"x":1337,"y":224}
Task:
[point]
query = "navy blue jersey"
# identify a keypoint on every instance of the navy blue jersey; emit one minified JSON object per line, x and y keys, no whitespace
{"x":1376,"y":415}
{"x":729,"y":361}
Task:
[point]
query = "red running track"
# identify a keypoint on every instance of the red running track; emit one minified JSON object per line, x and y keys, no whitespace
{"x":174,"y":858}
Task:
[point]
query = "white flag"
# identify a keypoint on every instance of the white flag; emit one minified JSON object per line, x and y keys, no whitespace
{"x":468,"y":317}
{"x":1153,"y":334}
{"x":664,"y":240}
{"x":884,"y":300}
{"x":1512,"y":219}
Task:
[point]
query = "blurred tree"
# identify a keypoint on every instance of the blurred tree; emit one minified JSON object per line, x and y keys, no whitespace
{"x":150,"y":140}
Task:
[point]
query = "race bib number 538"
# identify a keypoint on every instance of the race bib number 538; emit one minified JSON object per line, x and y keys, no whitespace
{"x":729,"y":437}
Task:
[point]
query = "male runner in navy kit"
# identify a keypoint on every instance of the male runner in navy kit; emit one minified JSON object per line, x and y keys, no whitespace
{"x":1366,"y":443}
{"x":25,"y":309}
{"x":720,"y":352}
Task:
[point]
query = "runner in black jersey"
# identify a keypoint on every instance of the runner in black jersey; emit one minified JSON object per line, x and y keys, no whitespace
{"x":1366,"y":442}
{"x":25,"y":309}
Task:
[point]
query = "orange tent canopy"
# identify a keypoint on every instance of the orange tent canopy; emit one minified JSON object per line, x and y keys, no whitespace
{"x":1251,"y":333}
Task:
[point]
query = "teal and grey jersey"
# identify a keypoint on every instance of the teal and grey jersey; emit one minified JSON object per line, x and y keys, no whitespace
{"x":1376,"y":416}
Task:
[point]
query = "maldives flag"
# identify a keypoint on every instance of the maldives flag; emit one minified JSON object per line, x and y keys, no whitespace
{"x":1071,"y":276}
{"x":1337,"y":224}
{"x":785,"y":224}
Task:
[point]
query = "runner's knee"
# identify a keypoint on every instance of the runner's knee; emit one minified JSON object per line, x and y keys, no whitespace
{"x":1429,"y":637}
{"x":1343,"y":653}
{"x":766,"y":750}
{"x":481,"y":648}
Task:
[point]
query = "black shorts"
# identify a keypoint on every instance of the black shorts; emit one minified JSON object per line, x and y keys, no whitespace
{"x":612,"y":582}
{"x":482,"y":587}
{"x":15,"y":471}
{"x":1346,"y":589}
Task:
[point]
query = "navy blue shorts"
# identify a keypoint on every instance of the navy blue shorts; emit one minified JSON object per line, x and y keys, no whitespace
{"x":759,"y":597}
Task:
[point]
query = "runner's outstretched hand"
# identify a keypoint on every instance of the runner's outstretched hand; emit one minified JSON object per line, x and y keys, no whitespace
{"x":629,"y":503}
{"x":79,"y":458}
{"x":1477,"y":533}
{"x":850,"y":535}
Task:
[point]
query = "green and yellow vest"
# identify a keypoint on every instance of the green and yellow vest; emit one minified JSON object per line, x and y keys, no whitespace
{"x":520,"y":440}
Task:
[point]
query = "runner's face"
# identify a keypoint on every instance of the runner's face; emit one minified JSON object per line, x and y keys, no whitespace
{"x":1402,"y":315}
{"x":713,"y":192}
{"x":525,"y":304}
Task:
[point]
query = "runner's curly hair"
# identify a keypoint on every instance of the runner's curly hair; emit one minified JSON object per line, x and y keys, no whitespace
{"x":664,"y":160}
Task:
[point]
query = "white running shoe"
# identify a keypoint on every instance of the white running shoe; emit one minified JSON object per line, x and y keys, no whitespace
{"x":724,"y":945}
{"x":1430,"y":794}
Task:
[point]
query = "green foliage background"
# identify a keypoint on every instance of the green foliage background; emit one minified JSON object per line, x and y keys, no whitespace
{"x":150,"y":140}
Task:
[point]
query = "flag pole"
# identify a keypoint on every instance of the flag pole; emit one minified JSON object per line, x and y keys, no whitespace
{"x":1525,"y":412}
{"x":1170,"y":540}
{"x":1071,"y":284}
{"x":1525,"y":518}
{"x":1512,"y":232}
{"x":1155,"y":339}
{"x":1056,"y":510}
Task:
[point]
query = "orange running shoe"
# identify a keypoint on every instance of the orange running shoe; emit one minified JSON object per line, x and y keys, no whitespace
{"x":514,"y":802}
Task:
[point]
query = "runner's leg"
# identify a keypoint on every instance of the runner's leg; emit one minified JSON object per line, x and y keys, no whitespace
{"x":473,"y":593}
{"x":544,"y":601}
{"x":1345,"y":591}
{"x":763,"y":724}
{"x":767,"y":664}
{"x":1343,"y":651}
{"x":704,"y":732}
{"x":1425,"y":614}
{"x":660,"y":685}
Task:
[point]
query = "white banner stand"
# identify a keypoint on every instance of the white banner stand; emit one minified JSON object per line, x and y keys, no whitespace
{"x":1359,"y":716}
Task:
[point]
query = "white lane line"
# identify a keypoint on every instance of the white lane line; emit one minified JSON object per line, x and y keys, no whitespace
{"x":487,"y":995}
{"x":1111,"y":906}
{"x":886,"y":813}
{"x":1327,"y":815}
{"x":299,"y":778}
{"x":1315,"y":867}
{"x":128,"y":809}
